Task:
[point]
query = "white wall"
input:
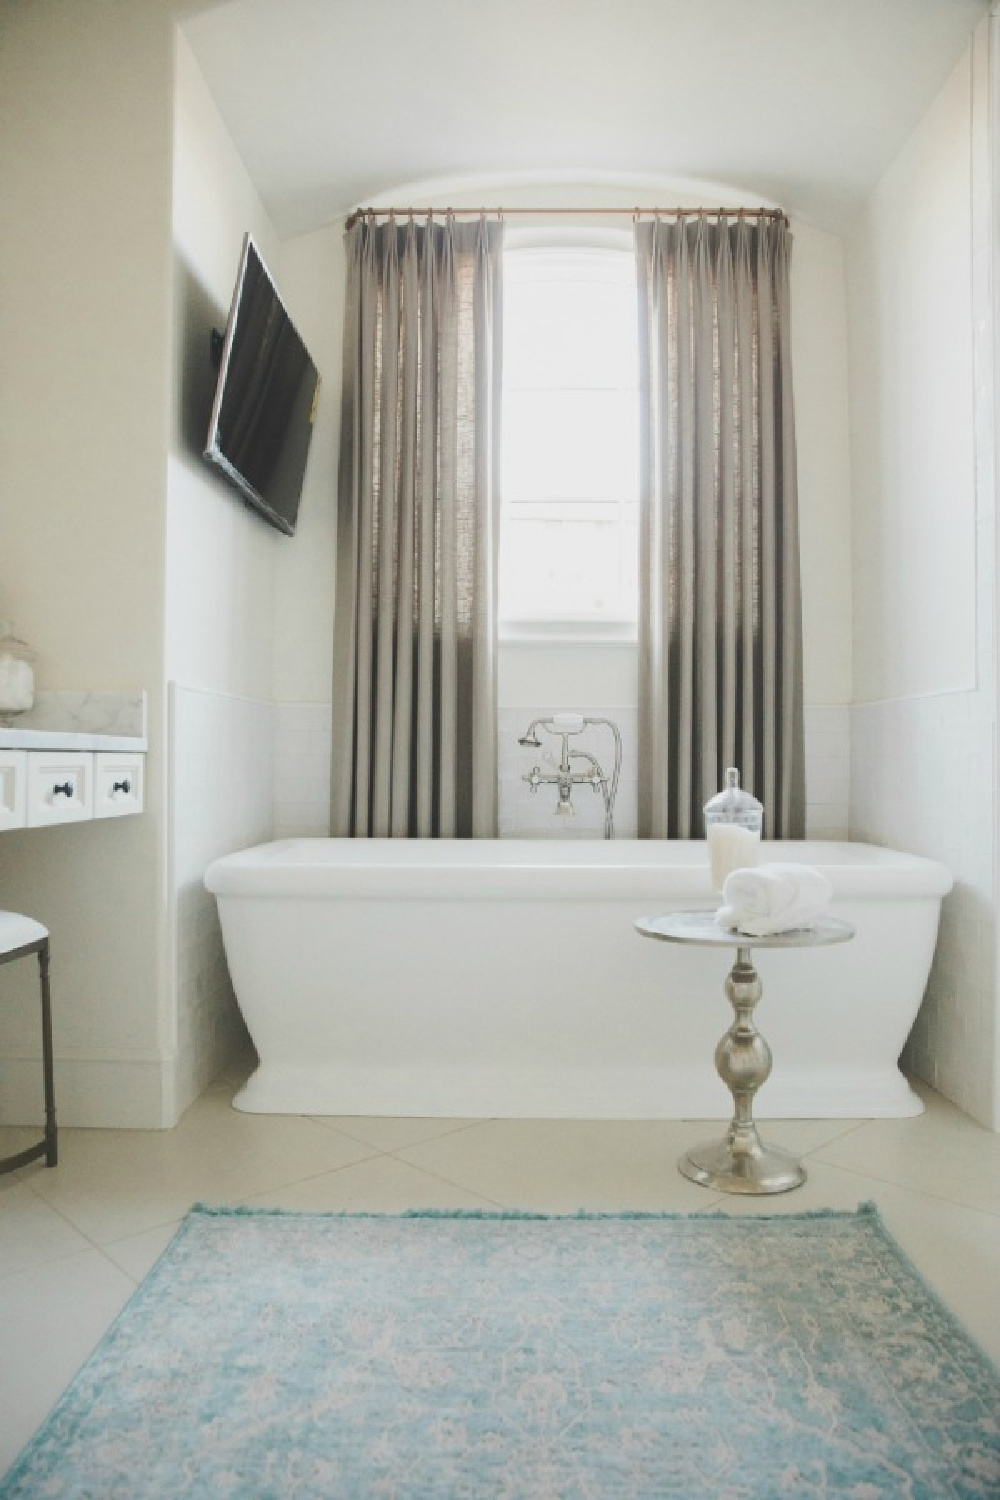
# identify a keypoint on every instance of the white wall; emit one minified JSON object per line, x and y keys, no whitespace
{"x":312,"y":283}
{"x":912,"y":399}
{"x":822,"y":430}
{"x":923,"y":729}
{"x":248,"y":609}
{"x":221,"y":557}
{"x":85,"y":151}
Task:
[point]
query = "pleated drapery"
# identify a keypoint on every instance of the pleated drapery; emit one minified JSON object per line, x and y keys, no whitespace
{"x":415,"y":627}
{"x":720,"y":652}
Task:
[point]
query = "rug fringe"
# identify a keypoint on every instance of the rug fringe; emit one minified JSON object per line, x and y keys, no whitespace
{"x":866,"y":1210}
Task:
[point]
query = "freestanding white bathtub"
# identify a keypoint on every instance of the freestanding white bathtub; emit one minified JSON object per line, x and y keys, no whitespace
{"x":505,"y":978}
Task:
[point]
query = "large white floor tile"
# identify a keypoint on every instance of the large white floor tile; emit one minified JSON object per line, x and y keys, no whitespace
{"x":559,"y":1166}
{"x":115,"y":1183}
{"x":32,"y":1233}
{"x":388,"y":1134}
{"x":382,"y":1185}
{"x":51,"y":1317}
{"x":137,"y":1254}
{"x":941,"y":1152}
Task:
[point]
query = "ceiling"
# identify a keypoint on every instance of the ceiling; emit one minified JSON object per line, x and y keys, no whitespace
{"x":804,"y":103}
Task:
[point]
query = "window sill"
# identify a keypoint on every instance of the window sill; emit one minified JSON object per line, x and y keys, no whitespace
{"x":568,"y":633}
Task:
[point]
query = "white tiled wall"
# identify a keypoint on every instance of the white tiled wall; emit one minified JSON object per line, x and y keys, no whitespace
{"x":302,"y":744}
{"x":221,"y":800}
{"x":828,"y":769}
{"x":243,"y":772}
{"x":923,"y":780}
{"x":527,"y":814}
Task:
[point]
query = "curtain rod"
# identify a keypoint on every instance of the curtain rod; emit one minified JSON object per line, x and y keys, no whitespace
{"x":503,"y":213}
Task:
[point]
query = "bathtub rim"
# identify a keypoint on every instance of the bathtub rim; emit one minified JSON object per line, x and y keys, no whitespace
{"x":312,"y":868}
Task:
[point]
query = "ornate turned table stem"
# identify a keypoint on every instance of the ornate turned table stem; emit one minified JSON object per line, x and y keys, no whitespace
{"x":743,"y":1058}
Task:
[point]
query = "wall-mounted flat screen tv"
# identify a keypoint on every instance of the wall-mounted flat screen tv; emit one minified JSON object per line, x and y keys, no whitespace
{"x":265,"y":398}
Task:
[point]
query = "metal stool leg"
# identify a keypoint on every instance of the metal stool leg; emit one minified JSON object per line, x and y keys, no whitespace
{"x":48,"y":1146}
{"x":51,"y":1138}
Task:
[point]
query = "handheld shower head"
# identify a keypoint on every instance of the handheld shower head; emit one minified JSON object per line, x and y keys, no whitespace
{"x":529,"y":738}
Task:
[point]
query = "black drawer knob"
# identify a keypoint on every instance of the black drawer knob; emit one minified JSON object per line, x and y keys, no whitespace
{"x":121,"y":786}
{"x":63,"y":789}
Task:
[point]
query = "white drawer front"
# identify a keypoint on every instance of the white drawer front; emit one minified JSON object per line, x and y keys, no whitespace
{"x":60,"y":787}
{"x":117,"y":784}
{"x":13,"y":788}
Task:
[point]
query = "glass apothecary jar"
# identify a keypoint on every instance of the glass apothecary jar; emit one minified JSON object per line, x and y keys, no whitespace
{"x":17,"y":674}
{"x":733,"y":822}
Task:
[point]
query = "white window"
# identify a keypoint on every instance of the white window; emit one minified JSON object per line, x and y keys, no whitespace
{"x":570,"y":472}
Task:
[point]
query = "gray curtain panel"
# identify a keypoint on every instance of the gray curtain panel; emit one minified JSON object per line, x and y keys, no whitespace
{"x":720,"y":640}
{"x":414,"y":751}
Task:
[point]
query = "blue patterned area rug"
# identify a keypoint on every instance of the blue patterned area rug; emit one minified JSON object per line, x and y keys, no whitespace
{"x":282,"y":1354}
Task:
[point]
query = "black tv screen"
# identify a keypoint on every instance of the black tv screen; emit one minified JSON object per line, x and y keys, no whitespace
{"x":265,"y":398}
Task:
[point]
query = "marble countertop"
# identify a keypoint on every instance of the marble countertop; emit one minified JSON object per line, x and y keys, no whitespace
{"x":79,"y":721}
{"x":68,"y":739}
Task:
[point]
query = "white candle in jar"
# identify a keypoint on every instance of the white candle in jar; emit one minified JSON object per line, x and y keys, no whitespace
{"x":17,"y":684}
{"x":730,"y":847}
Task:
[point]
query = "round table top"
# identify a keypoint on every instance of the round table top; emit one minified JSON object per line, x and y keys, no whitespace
{"x":701,"y":927}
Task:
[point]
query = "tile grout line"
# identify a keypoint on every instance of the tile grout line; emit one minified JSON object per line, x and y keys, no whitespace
{"x":93,"y":1244}
{"x":916,"y":1192}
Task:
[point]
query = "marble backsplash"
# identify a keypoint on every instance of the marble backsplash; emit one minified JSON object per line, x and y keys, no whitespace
{"x":87,"y":713}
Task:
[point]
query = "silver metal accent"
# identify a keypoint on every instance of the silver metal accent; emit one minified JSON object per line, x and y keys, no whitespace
{"x":564,"y":778}
{"x":741,"y":1162}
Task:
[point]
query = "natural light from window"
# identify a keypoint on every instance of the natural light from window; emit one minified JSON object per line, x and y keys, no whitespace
{"x":570,"y":472}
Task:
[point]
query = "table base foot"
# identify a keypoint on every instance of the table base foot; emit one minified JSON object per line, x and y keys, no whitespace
{"x":762,"y":1169}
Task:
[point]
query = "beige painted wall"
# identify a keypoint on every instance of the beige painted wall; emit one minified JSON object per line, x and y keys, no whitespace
{"x":85,"y":149}
{"x":85,"y":95}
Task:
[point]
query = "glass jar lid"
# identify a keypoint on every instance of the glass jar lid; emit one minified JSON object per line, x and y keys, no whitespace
{"x":733,"y":804}
{"x":11,"y":645}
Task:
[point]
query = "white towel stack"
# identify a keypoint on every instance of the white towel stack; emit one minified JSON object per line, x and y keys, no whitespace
{"x":773,"y":898}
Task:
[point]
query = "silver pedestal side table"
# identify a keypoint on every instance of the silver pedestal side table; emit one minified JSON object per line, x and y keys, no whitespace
{"x":740,"y":1162}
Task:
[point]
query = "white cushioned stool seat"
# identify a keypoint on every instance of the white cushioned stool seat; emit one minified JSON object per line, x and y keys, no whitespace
{"x":17,"y":931}
{"x":20,"y":937}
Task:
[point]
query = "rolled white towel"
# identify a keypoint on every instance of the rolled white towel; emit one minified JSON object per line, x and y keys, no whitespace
{"x":773,"y":898}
